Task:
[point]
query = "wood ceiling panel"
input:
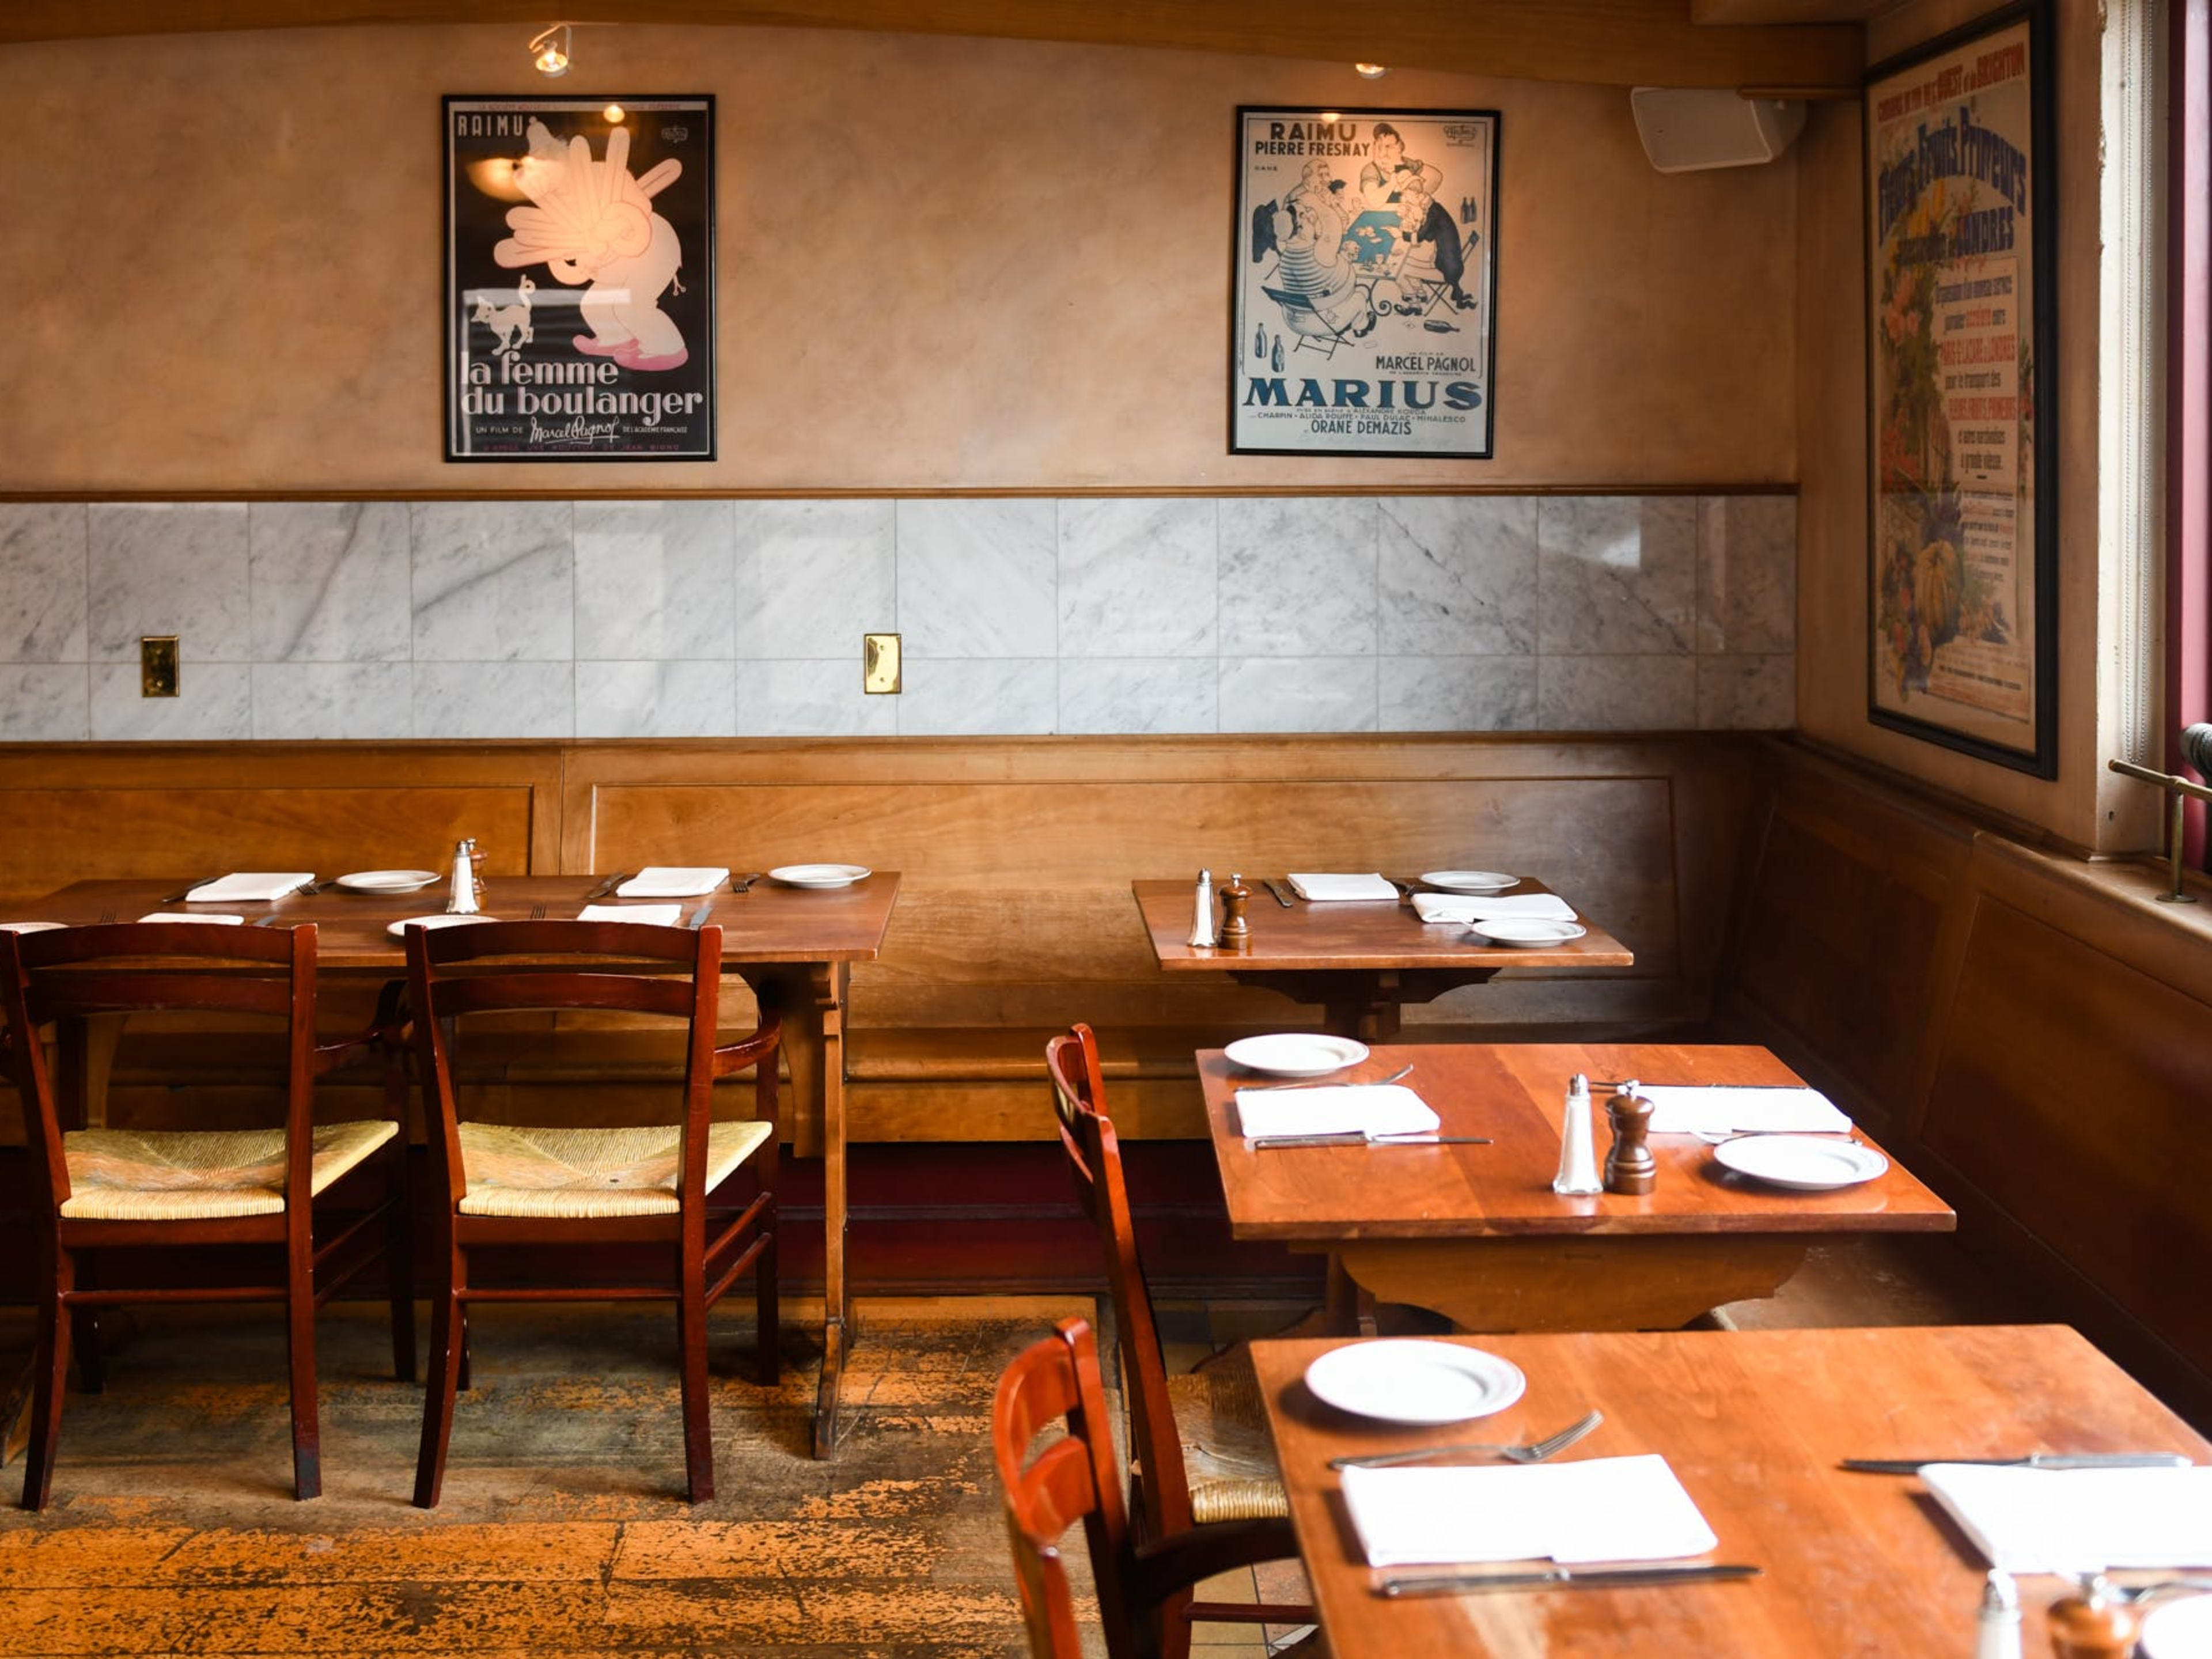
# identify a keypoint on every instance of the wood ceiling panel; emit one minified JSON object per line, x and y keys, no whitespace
{"x":1622,"y":42}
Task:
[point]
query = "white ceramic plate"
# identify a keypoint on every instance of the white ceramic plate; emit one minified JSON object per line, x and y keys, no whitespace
{"x":398,"y":929}
{"x":1296,"y":1053}
{"x":820,"y":875}
{"x":1808,"y":1164}
{"x":29,"y":927}
{"x":1469,"y":881}
{"x":387,"y":881}
{"x":1526,"y":933}
{"x":1411,"y":1381}
{"x":2179,"y":1630}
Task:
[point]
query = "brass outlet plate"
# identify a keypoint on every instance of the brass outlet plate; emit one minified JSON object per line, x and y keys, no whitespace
{"x":157,"y":665}
{"x":879,"y":665}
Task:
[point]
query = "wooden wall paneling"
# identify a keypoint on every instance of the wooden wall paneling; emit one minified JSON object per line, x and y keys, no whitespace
{"x":2067,"y":1091}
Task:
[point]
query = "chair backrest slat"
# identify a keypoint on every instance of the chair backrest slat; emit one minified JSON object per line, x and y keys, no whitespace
{"x":1071,"y":1480}
{"x":1094,"y":1158}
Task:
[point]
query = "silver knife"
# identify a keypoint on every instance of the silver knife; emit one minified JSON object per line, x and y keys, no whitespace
{"x":2032,"y":1461}
{"x":608,"y":885}
{"x":1282,"y":896}
{"x":699,"y":916}
{"x":1467,"y":1583}
{"x":1278,"y":1143}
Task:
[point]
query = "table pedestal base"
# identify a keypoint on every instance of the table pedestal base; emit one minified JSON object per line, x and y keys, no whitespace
{"x":1608,"y":1283}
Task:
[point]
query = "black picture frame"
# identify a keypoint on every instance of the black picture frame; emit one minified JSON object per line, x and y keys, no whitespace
{"x":1335,"y":332}
{"x":632,"y":379}
{"x":1900,"y":642}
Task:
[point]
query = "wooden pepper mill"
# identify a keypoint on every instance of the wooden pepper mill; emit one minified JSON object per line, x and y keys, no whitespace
{"x":1630,"y":1168}
{"x":1235,"y":930}
{"x":2093,"y":1623}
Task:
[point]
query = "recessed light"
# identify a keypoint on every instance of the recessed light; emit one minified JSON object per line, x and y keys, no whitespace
{"x":1371,"y":71}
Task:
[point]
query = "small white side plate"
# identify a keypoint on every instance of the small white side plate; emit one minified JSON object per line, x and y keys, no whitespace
{"x":2179,"y":1630}
{"x":1807,"y":1164}
{"x":28,"y":926}
{"x":1469,"y":881}
{"x":1411,"y":1381}
{"x":820,"y":875}
{"x":1296,"y":1053}
{"x":398,"y":929}
{"x":387,"y":881}
{"x":1525,"y":934}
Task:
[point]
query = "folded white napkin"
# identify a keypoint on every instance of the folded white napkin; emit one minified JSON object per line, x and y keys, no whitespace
{"x":250,"y":887}
{"x":1330,"y":889}
{"x":1521,"y":907}
{"x":2079,"y":1520}
{"x":1686,"y":1109}
{"x":656,"y":916}
{"x":674,"y":881}
{"x":186,"y":915}
{"x":1369,"y":1108}
{"x":1602,"y":1509}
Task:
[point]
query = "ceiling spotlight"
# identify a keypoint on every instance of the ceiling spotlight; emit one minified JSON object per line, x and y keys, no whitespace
{"x":549,"y":55}
{"x":1371,"y":71}
{"x":614,"y":115}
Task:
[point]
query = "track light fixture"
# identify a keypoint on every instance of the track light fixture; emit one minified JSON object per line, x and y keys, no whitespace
{"x":549,"y":56}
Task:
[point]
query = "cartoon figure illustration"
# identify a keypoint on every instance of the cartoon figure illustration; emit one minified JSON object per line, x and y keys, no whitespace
{"x":590,"y":222}
{"x":510,"y":323}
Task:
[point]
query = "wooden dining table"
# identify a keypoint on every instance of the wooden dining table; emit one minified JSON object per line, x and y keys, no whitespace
{"x":796,"y":944}
{"x":1476,"y":1233}
{"x":1362,"y":960}
{"x":1754,"y":1425}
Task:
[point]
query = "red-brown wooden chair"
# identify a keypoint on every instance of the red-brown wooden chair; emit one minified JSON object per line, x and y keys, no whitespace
{"x":1199,"y":1452}
{"x":587,"y":1188}
{"x":113,"y":1189}
{"x":1074,"y":1479}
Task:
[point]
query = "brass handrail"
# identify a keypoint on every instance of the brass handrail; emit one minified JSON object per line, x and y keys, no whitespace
{"x":2181,"y":791}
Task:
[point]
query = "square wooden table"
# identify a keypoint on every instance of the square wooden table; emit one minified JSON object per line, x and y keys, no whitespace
{"x":1361,"y":960}
{"x":796,"y":943}
{"x":1477,"y":1233}
{"x":1754,"y":1425}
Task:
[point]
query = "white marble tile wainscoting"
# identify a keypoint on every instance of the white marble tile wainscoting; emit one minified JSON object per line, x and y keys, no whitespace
{"x":692,"y":618}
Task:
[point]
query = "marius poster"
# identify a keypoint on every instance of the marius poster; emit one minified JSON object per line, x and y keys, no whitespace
{"x":1960,"y":330}
{"x":1366,"y":282}
{"x":580,"y":279}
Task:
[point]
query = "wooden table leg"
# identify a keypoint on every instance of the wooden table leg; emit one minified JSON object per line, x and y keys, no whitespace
{"x":830,"y":984}
{"x":1611,"y":1283}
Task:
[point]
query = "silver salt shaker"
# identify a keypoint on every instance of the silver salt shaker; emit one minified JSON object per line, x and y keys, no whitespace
{"x":1578,"y":1175}
{"x":1201,"y":920}
{"x":467,"y":899}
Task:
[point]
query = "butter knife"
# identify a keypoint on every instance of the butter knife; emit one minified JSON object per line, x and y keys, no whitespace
{"x":608,"y":885}
{"x":1280,"y":1143}
{"x":699,"y":916}
{"x":183,"y":894}
{"x":1467,"y":1583}
{"x":1282,"y":894}
{"x":2032,"y":1461}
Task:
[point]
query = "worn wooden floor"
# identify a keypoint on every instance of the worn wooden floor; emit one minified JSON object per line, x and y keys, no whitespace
{"x":563,"y":1533}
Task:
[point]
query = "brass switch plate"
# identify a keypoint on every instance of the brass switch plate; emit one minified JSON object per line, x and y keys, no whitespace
{"x":157,"y":665}
{"x":879,"y":665}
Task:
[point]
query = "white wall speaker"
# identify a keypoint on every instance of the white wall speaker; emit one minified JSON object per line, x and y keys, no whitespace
{"x":1689,"y":129}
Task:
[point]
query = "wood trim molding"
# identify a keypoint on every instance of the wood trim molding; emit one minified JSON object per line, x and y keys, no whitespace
{"x":1608,"y":42}
{"x":1111,"y":491}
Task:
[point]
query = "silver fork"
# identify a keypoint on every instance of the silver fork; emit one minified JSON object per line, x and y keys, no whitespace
{"x":107,"y":918}
{"x":1533,"y":1452}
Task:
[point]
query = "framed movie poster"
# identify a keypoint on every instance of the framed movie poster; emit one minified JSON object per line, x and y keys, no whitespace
{"x":1366,"y":282}
{"x":580,"y":279}
{"x":1961,"y":359}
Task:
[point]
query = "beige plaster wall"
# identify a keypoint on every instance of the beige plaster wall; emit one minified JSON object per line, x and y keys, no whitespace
{"x":1832,"y":579}
{"x":945,"y":263}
